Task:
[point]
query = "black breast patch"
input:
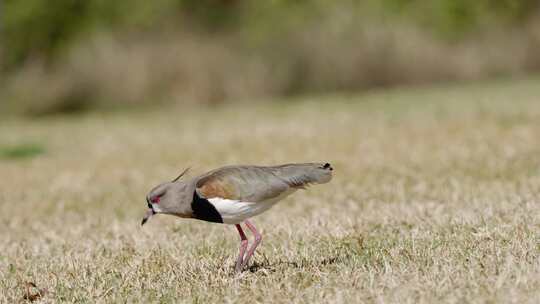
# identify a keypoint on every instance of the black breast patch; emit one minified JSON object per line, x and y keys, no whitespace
{"x":204,"y":210}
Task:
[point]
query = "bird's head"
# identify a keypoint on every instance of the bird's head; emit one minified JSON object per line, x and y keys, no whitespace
{"x":172,"y":197}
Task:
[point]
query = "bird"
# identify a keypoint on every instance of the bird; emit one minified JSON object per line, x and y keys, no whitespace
{"x":232,"y":195}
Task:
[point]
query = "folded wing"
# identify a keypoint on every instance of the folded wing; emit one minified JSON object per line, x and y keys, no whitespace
{"x":241,"y":183}
{"x":257,"y":184}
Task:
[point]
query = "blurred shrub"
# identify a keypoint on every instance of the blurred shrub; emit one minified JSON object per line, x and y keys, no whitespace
{"x":453,"y":18}
{"x":71,"y":55}
{"x":41,"y":28}
{"x":38,"y":27}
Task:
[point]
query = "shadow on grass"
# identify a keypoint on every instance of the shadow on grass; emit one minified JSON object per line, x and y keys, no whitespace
{"x":272,"y":267}
{"x":339,"y":251}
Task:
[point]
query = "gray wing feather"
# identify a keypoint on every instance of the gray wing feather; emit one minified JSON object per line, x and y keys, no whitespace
{"x":256,"y":184}
{"x":244,"y":183}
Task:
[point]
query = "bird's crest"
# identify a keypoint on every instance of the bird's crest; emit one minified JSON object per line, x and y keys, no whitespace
{"x":181,"y":174}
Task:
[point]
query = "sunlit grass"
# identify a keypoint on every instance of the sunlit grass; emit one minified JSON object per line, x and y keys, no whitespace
{"x":435,"y":199}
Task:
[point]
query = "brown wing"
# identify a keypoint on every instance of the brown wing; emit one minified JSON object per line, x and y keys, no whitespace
{"x":243,"y":183}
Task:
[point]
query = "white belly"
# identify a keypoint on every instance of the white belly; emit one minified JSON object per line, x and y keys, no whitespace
{"x":235,"y":212}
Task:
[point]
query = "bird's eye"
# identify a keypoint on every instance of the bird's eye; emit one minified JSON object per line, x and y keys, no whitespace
{"x":156,"y":199}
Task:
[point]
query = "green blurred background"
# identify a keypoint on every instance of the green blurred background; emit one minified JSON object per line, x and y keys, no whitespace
{"x":68,"y":56}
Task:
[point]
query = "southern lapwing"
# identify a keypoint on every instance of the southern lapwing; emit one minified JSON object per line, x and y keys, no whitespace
{"x":233,"y":194}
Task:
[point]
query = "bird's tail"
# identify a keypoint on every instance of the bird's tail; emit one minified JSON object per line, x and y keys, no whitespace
{"x":302,"y":175}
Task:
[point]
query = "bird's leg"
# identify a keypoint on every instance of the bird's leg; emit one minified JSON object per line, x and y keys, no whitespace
{"x":243,"y":246}
{"x":258,"y":239}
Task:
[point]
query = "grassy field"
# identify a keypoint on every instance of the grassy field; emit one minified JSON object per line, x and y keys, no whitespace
{"x":436,"y":198}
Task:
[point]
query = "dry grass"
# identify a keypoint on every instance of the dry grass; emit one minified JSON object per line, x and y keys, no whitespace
{"x":435,"y":199}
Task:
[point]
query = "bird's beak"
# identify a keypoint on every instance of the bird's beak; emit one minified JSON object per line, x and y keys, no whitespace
{"x":147,"y":216}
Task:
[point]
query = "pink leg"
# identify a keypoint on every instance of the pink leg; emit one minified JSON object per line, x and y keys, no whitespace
{"x":243,"y":246}
{"x":258,"y":239}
